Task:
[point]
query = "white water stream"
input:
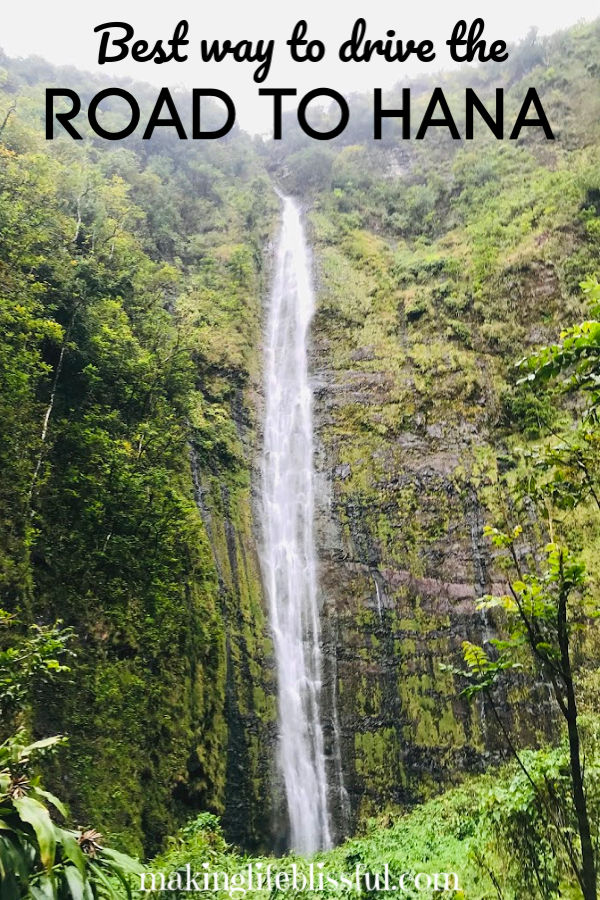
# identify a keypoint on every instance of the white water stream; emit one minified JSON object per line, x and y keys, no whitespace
{"x":289,"y":559}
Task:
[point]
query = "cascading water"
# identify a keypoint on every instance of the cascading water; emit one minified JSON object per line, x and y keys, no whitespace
{"x":289,"y":560}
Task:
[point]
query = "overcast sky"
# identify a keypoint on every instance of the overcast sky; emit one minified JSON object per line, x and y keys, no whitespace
{"x":62,"y":32}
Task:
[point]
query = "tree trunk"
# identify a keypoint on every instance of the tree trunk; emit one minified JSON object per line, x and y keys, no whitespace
{"x":588,"y":865}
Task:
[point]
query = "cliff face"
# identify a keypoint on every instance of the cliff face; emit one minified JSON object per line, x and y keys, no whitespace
{"x":231,"y":768}
{"x":402,"y":561}
{"x":248,"y":686}
{"x":405,"y":492}
{"x":437,"y":268}
{"x":170,"y":708}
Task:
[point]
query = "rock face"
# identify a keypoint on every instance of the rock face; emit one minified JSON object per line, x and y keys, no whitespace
{"x":394,"y":611}
{"x":406,"y":459}
{"x":249,"y":711}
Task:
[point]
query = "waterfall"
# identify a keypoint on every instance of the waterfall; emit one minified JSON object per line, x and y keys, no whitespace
{"x":289,"y":558}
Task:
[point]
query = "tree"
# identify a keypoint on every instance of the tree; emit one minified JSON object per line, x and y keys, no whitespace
{"x":26,"y":661}
{"x":547,"y":604}
{"x":543,"y":611}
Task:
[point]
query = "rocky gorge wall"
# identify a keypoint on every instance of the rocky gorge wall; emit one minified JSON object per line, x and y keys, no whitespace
{"x":413,"y":352}
{"x":409,"y":425}
{"x":249,"y":698}
{"x":411,"y":417}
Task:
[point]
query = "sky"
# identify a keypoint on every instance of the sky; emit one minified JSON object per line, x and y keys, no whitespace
{"x":62,"y":31}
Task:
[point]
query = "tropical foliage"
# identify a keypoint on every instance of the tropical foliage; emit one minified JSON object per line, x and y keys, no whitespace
{"x":40,"y":859}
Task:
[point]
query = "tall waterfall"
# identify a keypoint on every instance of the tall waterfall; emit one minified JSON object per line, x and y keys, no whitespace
{"x":289,"y":561}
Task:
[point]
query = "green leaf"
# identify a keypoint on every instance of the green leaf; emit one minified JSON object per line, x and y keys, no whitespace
{"x":43,"y":888}
{"x":14,"y":860}
{"x":100,"y":876}
{"x":50,"y":798}
{"x":126,"y":863}
{"x":36,"y":815}
{"x":10,"y":888}
{"x":73,"y":852}
{"x":44,"y":743}
{"x":76,"y":882}
{"x":124,"y":881}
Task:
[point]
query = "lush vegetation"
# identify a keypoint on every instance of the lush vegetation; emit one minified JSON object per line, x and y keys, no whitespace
{"x":116,"y":366}
{"x":491,"y":831}
{"x":131,"y":279}
{"x":40,"y":859}
{"x":440,"y":264}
